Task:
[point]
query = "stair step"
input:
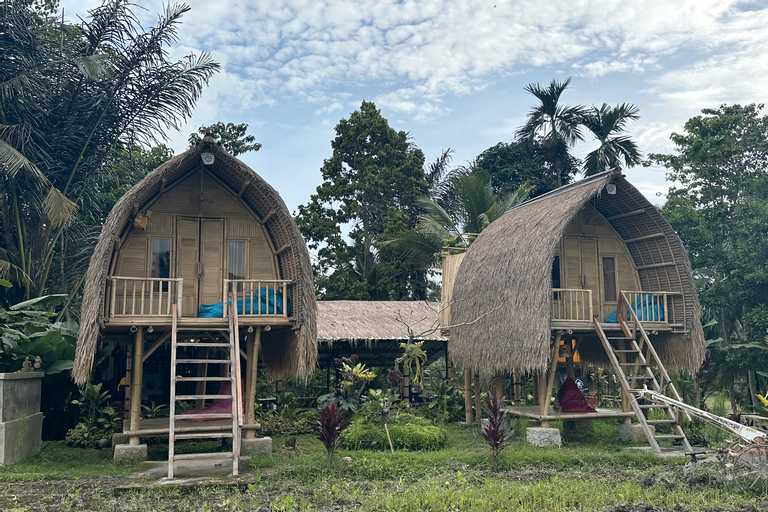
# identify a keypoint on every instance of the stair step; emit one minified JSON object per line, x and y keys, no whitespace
{"x":180,"y":378}
{"x":202,"y":361}
{"x":619,"y":338}
{"x":203,"y":435}
{"x":202,"y":397}
{"x":190,"y":456}
{"x":203,"y":344}
{"x":652,"y":406}
{"x":660,"y":422}
{"x":204,"y":415}
{"x":631,"y":351}
{"x":669,"y":436}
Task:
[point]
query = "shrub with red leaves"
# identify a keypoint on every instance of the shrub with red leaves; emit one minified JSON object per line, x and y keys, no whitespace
{"x":331,"y":420}
{"x":497,"y":431}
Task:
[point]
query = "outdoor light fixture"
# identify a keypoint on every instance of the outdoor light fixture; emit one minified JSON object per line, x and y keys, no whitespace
{"x":207,"y":158}
{"x":610,"y":188}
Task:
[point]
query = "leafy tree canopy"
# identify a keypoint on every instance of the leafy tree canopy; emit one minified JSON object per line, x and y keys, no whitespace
{"x":370,"y":186}
{"x":720,"y":210}
{"x":231,"y":136}
{"x":72,"y":99}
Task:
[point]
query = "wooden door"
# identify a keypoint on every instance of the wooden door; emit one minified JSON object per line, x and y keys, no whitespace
{"x":580,"y":265}
{"x":199,"y":262}
{"x":211,"y":260}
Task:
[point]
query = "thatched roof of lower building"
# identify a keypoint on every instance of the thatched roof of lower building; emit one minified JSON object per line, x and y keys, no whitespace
{"x":285,"y":352}
{"x":502,"y":292}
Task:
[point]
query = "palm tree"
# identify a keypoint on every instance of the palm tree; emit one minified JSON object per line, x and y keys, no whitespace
{"x":607,"y":124}
{"x":557,"y":126}
{"x":458,"y":209}
{"x":71,"y":99}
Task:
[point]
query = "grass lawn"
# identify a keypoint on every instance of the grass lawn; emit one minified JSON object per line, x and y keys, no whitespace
{"x":592,"y":474}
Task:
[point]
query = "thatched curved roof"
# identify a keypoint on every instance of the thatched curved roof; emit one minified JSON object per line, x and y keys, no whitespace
{"x":503,"y":286}
{"x":291,"y":352}
{"x":368,"y":321}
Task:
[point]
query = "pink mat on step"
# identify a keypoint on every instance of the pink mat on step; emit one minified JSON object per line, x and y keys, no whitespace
{"x":219,"y":406}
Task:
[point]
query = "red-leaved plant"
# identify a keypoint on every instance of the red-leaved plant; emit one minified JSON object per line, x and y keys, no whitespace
{"x":331,"y":421}
{"x":497,"y":431}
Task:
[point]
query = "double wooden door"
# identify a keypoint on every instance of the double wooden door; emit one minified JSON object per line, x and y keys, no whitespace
{"x":200,"y":261}
{"x":581,"y":269}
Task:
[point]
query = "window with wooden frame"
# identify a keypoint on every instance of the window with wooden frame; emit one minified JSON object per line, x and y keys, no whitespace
{"x":236,"y":266}
{"x":161,"y":262}
{"x":556,"y":276}
{"x":609,"y":279}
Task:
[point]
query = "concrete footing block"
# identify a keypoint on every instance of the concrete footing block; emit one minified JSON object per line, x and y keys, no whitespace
{"x":130,"y":452}
{"x":633,"y":432}
{"x":541,"y":436}
{"x":256,"y":446}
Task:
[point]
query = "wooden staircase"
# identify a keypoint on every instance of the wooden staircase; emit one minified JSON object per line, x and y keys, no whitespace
{"x":206,"y":343}
{"x":638,"y":365}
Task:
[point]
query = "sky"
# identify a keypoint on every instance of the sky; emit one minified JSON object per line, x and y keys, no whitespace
{"x":452,"y":73}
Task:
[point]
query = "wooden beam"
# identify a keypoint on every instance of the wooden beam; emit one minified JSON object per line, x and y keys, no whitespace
{"x":655,"y":265}
{"x":156,"y":345}
{"x":552,"y":371}
{"x":242,"y":189}
{"x":468,"y":396}
{"x":646,"y":237}
{"x":282,"y":249}
{"x":478,"y":406}
{"x":625,"y":214}
{"x":268,"y":217}
{"x":136,"y":382}
{"x":252,"y":364}
{"x":163,"y":182}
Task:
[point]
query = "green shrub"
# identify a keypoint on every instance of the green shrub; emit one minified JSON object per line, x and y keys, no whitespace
{"x":408,"y":432}
{"x":83,"y":436}
{"x":303,"y":423}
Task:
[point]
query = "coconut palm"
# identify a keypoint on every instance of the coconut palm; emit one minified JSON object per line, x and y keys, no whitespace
{"x":608,"y":124}
{"x":71,"y":99}
{"x":555,"y":125}
{"x":460,"y":207}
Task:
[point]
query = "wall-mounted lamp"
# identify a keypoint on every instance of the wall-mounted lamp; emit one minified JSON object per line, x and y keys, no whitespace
{"x":207,"y":158}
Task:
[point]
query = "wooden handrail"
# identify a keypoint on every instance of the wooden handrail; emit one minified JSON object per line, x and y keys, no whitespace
{"x":154,"y":300}
{"x":251,"y":289}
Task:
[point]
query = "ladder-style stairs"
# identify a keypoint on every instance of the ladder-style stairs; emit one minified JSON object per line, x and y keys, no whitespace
{"x":206,"y":345}
{"x":637,"y":366}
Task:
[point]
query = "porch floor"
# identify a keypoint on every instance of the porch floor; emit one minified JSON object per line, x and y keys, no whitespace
{"x":122,"y":322}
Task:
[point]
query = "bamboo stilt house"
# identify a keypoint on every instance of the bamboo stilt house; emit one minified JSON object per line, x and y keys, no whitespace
{"x":193,"y":229}
{"x":552,"y":265}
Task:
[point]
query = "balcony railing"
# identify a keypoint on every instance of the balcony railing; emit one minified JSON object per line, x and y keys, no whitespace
{"x":259,"y":297}
{"x":652,"y":306}
{"x":144,"y":296}
{"x":571,"y":304}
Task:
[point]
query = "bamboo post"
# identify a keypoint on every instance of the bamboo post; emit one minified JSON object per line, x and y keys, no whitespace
{"x":136,"y":382}
{"x":544,"y":405}
{"x":499,"y":392}
{"x":468,"y":396}
{"x":625,"y":405}
{"x":516,"y":391}
{"x":541,"y":377}
{"x":254,"y":341}
{"x":478,"y":407}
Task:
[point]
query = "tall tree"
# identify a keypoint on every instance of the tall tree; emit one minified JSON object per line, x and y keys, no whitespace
{"x":230,"y":136}
{"x":455,"y":212}
{"x":72,"y":98}
{"x":556,"y":126}
{"x":370,"y":184}
{"x":513,"y":164}
{"x":720,"y":210}
{"x":608,"y":125}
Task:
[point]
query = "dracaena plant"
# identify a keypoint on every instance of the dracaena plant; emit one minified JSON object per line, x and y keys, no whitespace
{"x":497,"y":431}
{"x":331,"y":421}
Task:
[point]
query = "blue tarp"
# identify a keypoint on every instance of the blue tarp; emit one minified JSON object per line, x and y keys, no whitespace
{"x":647,"y":308}
{"x":267,"y":307}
